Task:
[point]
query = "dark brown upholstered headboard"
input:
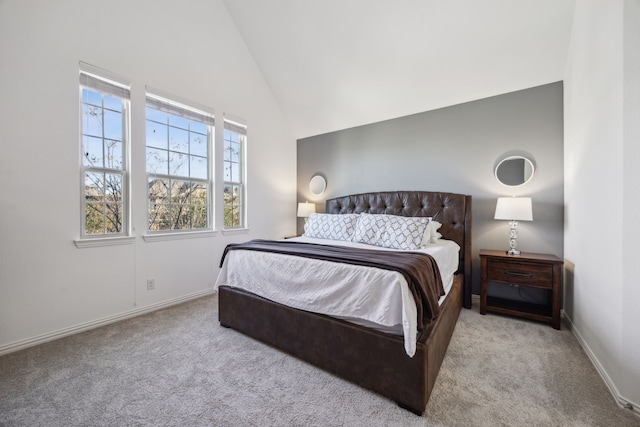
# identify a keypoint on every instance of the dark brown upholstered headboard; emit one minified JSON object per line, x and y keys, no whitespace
{"x":452,"y":210}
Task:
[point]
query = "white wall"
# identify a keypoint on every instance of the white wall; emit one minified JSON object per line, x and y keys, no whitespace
{"x":191,"y":49}
{"x":601,"y":181}
{"x":629,"y":384}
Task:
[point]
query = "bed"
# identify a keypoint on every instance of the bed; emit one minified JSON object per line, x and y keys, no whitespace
{"x":375,"y":359}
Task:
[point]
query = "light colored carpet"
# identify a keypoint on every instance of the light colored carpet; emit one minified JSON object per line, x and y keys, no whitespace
{"x":179,"y":367}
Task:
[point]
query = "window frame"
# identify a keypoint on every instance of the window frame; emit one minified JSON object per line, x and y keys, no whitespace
{"x":104,"y":83}
{"x":239,"y":127}
{"x":174,"y":106}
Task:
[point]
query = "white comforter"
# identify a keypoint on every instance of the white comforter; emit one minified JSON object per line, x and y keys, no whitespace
{"x":364,"y":295}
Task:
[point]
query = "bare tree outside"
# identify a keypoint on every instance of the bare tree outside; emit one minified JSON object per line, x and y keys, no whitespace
{"x":232,"y":206}
{"x":177,"y":172}
{"x":176,"y":204}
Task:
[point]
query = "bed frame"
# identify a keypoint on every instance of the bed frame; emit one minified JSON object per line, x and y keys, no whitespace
{"x":369,"y":358}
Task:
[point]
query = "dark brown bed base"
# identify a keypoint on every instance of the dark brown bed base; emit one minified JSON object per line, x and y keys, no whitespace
{"x":369,"y":358}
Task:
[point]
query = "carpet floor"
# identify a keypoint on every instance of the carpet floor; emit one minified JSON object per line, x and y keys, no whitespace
{"x":179,"y":367}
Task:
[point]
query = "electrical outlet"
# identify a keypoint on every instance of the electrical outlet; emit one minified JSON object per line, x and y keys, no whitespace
{"x":151,"y":284}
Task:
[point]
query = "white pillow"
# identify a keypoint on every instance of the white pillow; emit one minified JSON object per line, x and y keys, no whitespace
{"x":331,"y":226}
{"x":435,"y":236}
{"x":390,"y":231}
{"x":431,"y":235}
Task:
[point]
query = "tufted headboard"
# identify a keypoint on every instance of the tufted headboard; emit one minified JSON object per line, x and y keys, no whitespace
{"x":452,"y":210}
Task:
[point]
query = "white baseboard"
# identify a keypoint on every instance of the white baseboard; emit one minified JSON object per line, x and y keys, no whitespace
{"x":620,"y":400}
{"x":40,"y":339}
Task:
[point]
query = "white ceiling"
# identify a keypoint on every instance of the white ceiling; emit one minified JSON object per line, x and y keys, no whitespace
{"x":336,"y":64}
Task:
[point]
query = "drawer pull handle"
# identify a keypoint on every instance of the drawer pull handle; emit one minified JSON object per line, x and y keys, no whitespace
{"x":516,"y":273}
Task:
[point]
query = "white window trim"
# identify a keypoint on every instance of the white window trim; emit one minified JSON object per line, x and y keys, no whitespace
{"x":104,"y":241}
{"x":235,"y":231}
{"x":175,"y":105}
{"x":239,"y":126}
{"x":115,"y":85}
{"x":162,"y":237}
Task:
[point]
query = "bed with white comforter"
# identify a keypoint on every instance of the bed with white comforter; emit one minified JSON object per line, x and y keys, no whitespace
{"x":359,"y":322}
{"x":367,"y":296}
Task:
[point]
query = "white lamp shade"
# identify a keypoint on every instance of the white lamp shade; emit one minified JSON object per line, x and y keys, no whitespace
{"x":514,"y":209}
{"x":306,"y":209}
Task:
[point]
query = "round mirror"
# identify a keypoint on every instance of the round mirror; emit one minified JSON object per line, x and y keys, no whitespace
{"x":514,"y":171}
{"x":317,"y":185}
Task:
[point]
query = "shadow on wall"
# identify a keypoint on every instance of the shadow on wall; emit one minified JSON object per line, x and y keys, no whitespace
{"x":569,"y":277}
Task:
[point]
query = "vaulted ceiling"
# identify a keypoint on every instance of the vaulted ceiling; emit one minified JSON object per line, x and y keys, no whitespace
{"x":335,"y":64}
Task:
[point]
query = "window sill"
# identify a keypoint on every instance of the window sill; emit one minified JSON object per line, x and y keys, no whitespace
{"x":234,"y":231}
{"x":106,"y":241}
{"x":161,"y":237}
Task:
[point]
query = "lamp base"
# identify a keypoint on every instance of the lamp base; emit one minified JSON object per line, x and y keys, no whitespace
{"x":513,"y":234}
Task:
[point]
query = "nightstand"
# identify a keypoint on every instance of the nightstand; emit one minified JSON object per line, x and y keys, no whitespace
{"x":530,"y":270}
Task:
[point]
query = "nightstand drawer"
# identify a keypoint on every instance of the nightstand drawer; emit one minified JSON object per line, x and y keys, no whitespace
{"x":537,"y":275}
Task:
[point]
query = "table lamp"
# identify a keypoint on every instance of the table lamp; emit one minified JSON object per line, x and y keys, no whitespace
{"x":513,"y":209}
{"x":305,"y":209}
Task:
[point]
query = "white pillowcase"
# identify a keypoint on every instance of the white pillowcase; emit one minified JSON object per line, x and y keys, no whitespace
{"x":432,"y":235}
{"x":331,"y":226}
{"x":390,"y":231}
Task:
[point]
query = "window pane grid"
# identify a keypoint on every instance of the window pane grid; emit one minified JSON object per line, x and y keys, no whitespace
{"x":234,"y":142}
{"x":104,"y":204}
{"x":176,"y":204}
{"x":232,"y":157}
{"x":232,"y":206}
{"x":104,"y":175}
{"x":178,"y":171}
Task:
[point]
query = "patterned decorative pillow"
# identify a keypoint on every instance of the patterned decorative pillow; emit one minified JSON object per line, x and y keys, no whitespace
{"x":331,"y":226}
{"x":390,"y":231}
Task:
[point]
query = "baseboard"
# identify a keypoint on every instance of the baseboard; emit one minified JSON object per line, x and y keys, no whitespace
{"x":40,"y":339}
{"x":620,"y":400}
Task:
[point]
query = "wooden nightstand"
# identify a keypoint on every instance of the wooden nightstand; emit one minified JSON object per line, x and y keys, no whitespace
{"x":527,"y":270}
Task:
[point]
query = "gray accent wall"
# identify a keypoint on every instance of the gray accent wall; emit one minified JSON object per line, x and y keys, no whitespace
{"x":455,"y":149}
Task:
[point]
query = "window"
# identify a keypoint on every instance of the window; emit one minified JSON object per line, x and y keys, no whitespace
{"x":235,"y":140}
{"x":104,"y":105}
{"x":178,"y":143}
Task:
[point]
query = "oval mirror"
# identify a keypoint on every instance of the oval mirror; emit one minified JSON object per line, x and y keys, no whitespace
{"x":317,"y":185}
{"x":514,"y":171}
